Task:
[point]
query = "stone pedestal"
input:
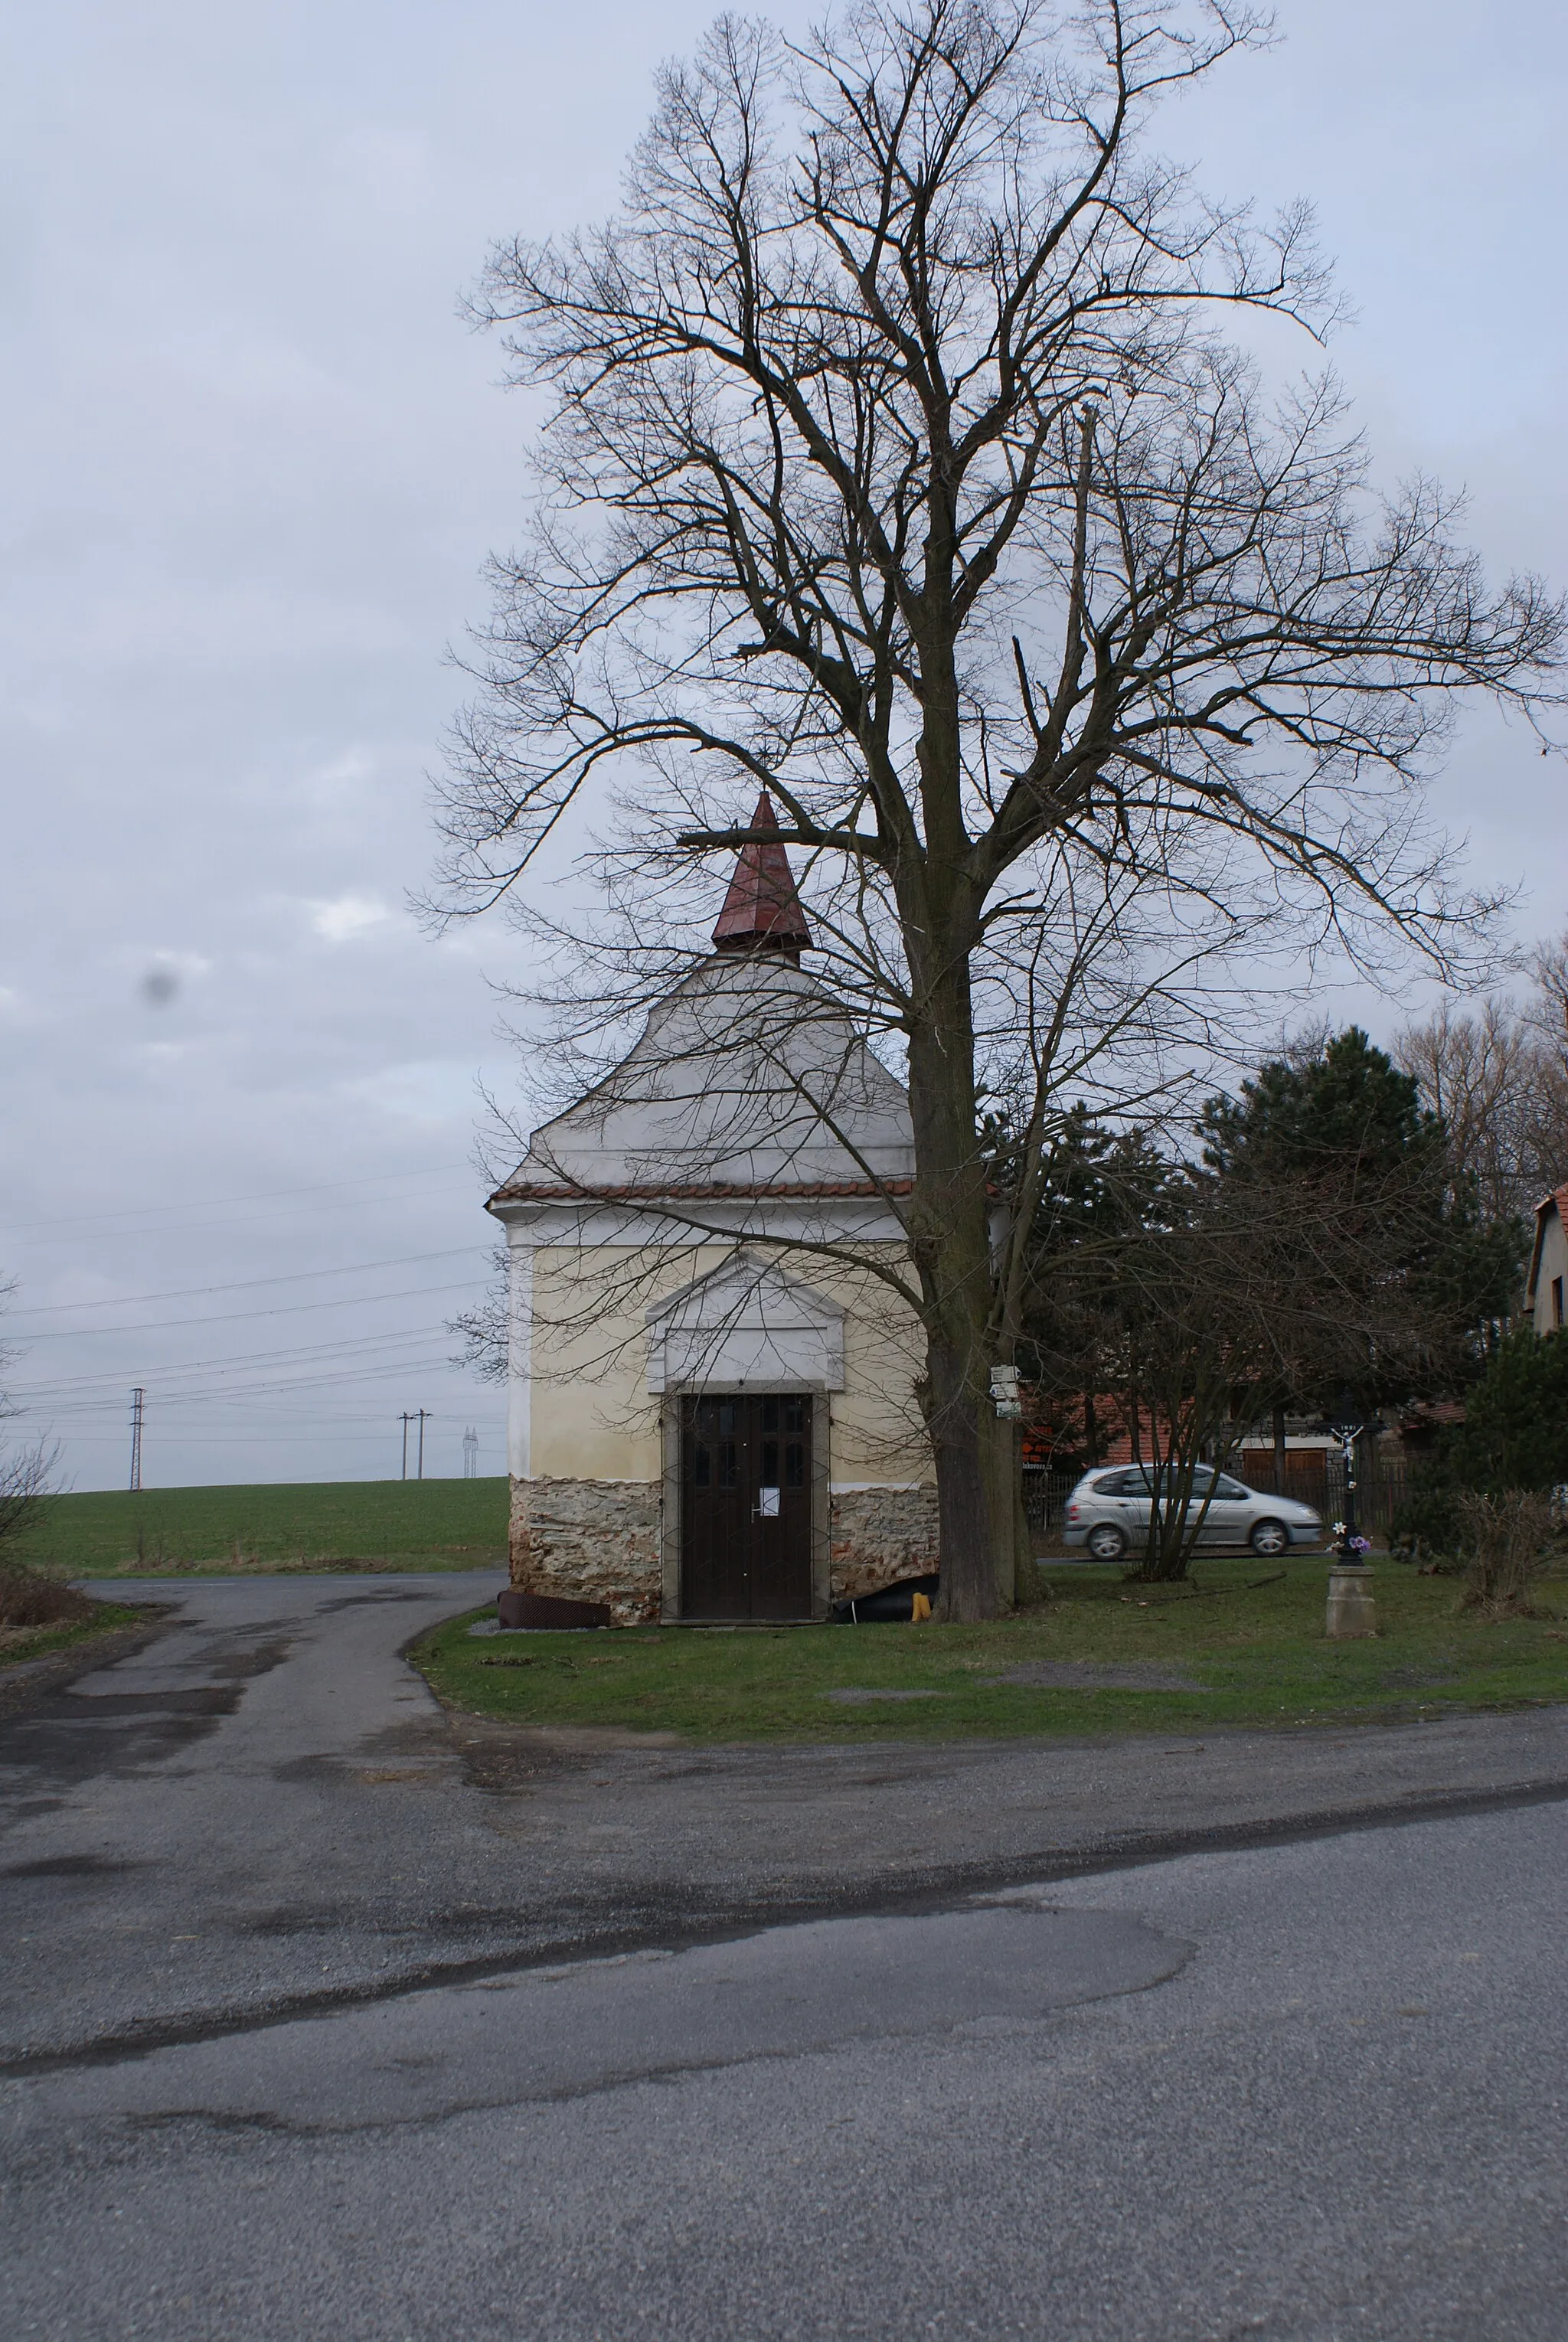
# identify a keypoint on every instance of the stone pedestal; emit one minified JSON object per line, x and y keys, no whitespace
{"x":1351,"y":1609}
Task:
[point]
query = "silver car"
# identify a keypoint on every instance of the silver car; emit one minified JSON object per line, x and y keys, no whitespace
{"x":1108,"y":1511}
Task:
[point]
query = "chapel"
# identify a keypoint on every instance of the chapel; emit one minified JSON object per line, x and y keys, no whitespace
{"x":714,"y":1386}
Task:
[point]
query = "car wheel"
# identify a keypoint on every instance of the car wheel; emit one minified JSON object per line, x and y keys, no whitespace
{"x":1106,"y":1541}
{"x":1270,"y":1538}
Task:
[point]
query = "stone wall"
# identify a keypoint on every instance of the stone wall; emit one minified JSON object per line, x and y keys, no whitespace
{"x":878,"y":1535}
{"x":598,"y":1541}
{"x":591,"y":1541}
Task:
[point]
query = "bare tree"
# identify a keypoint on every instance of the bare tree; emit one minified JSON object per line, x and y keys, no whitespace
{"x":1547,"y":1013}
{"x":1498,"y":1080}
{"x":483,"y":1331}
{"x":26,"y":1478}
{"x":1475,"y":1074}
{"x":26,"y":1474}
{"x":895,"y":461}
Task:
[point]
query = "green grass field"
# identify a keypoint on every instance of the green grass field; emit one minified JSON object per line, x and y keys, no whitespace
{"x":1253,"y":1655}
{"x":389,"y":1524}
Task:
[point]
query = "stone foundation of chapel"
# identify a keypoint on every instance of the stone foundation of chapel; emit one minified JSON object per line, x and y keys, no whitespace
{"x":589,"y":1541}
{"x":878,"y":1535}
{"x":600,"y":1541}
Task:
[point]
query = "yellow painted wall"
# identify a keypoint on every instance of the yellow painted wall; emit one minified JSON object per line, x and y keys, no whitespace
{"x":593,"y":1417}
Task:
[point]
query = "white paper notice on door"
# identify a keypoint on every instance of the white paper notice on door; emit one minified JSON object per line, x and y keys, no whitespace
{"x":768,"y":1505}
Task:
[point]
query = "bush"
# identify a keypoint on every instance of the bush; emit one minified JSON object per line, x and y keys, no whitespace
{"x":28,"y":1599}
{"x":1425,"y":1522}
{"x":1515,"y":1438}
{"x":1507,"y":1546}
{"x":1516,"y":1429}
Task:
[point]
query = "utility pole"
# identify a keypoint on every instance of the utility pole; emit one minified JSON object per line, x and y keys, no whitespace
{"x":422,"y":1420}
{"x":138,"y":1409}
{"x":406,"y":1420}
{"x":471,"y":1453}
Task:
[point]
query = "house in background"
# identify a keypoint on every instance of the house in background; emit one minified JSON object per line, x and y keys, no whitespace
{"x":1066,"y":1437}
{"x":1545,"y":1294}
{"x":714,"y":1408}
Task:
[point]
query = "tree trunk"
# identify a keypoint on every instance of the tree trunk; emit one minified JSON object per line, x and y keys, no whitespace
{"x":1279,"y":1489}
{"x":963,"y":1488}
{"x":950,"y":1245}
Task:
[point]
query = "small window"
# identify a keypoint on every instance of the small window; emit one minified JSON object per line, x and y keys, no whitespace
{"x":794,"y":1464}
{"x":1231,"y":1490}
{"x":729,"y":1475}
{"x":1557,"y":1301}
{"x":702,"y":1466}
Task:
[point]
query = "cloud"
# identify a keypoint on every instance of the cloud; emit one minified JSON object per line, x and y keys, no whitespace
{"x":423,"y":1090}
{"x":343,"y":918}
{"x":342,"y":772}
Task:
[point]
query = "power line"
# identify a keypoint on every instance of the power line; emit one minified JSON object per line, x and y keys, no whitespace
{"x":237,"y":1284}
{"x":233,"y":1317}
{"x":301,"y":1353}
{"x":287,"y":1215}
{"x":65,"y":1387}
{"x":252,"y":1439}
{"x":260,"y":1196}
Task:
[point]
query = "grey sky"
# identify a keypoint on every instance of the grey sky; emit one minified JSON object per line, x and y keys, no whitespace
{"x":254,"y":464}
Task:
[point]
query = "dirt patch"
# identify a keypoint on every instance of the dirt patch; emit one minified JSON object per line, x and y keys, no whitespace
{"x":855,"y":1696}
{"x":31,"y":1681}
{"x":1092,"y":1674}
{"x":498,"y":1755}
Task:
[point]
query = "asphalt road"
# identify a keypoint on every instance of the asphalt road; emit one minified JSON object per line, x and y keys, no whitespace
{"x":439,"y":2046}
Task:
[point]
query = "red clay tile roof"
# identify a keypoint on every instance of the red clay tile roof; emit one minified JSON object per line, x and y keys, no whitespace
{"x":709,"y":1191}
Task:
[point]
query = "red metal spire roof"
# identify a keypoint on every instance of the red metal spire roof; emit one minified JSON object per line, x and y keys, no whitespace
{"x":762,"y":910}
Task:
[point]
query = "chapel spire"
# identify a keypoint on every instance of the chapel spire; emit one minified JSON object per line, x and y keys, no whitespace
{"x":762,"y":910}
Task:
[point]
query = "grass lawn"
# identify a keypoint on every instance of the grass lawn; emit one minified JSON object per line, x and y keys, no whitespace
{"x":386,"y":1524}
{"x":1250,"y":1656}
{"x":17,"y":1642}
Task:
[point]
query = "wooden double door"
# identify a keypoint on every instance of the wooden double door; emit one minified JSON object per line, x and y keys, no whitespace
{"x":746,"y":1507}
